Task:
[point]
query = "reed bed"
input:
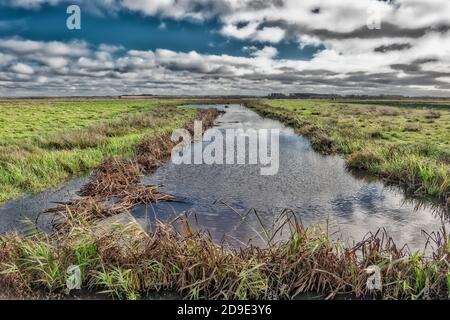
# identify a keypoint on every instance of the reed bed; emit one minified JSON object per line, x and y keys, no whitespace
{"x":127,"y":263}
{"x":112,"y":178}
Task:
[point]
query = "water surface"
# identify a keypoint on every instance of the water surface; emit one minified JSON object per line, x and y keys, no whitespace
{"x":317,"y":188}
{"x":27,"y":212}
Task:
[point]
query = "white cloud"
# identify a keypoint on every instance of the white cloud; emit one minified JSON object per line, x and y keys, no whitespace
{"x":408,"y":55}
{"x":31,"y":3}
{"x":22,"y":68}
{"x":52,"y":48}
{"x":5,"y":58}
{"x":161,"y":71}
{"x":266,"y":52}
{"x":273,"y":35}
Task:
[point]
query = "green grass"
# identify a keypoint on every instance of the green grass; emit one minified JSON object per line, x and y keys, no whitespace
{"x":45,"y":142}
{"x":407,"y":144}
{"x":126,"y":263}
{"x":25,"y":119}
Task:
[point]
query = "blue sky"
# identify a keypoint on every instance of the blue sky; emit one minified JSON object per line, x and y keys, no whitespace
{"x":249,"y":47}
{"x":133,"y":30}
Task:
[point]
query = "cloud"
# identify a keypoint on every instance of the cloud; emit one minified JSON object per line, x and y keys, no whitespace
{"x":26,"y":68}
{"x":270,"y":34}
{"x":31,"y":3}
{"x":410,"y":54}
{"x":266,"y":52}
{"x":22,"y":68}
{"x":52,"y":48}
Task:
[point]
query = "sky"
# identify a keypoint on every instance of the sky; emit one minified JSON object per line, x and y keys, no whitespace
{"x":225,"y":47}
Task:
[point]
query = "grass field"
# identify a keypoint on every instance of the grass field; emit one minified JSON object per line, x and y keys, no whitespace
{"x":403,"y":142}
{"x":44,"y":142}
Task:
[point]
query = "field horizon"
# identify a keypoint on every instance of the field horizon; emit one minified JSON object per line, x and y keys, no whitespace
{"x":232,"y":157}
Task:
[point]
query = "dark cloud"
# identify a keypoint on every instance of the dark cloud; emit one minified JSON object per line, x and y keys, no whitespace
{"x":393,"y":47}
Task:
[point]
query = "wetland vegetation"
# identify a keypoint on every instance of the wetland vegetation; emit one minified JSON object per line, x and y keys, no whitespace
{"x":127,"y":263}
{"x":403,"y":143}
{"x":45,"y":142}
{"x":123,"y":140}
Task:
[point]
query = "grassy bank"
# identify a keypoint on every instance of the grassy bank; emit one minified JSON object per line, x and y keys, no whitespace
{"x":403,"y":144}
{"x":126,"y":263}
{"x":116,"y":257}
{"x":44,"y":142}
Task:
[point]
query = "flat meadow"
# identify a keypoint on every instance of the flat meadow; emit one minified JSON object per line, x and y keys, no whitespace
{"x":47,"y":141}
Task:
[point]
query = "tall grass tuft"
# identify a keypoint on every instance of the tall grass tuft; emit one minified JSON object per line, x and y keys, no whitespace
{"x":126,"y":263}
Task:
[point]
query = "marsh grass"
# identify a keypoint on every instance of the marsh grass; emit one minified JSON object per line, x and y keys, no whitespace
{"x":47,"y":142}
{"x":432,"y":115}
{"x":127,"y":263}
{"x":99,"y":133}
{"x":412,"y":127}
{"x":384,"y":140}
{"x":119,"y":180}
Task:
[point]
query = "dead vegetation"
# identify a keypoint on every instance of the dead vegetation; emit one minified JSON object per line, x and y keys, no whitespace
{"x":127,"y":263}
{"x":153,"y":151}
{"x":79,"y":212}
{"x":120,"y":180}
{"x":412,"y":127}
{"x":432,"y":114}
{"x":386,"y":111}
{"x":112,"y":178}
